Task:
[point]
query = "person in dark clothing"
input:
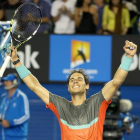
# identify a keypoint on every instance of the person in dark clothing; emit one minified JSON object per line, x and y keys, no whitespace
{"x":86,"y":17}
{"x":8,"y":8}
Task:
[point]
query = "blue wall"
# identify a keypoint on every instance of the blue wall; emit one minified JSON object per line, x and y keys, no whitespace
{"x":43,"y":124}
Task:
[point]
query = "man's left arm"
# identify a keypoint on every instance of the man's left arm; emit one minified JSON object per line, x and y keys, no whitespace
{"x":120,"y":75}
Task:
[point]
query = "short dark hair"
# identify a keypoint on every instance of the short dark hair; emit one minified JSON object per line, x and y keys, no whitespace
{"x":81,"y":71}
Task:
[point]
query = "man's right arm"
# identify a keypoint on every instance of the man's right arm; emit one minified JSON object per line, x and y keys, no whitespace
{"x":31,"y":81}
{"x":36,"y":87}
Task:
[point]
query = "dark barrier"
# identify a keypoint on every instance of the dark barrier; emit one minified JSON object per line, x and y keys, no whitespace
{"x":35,"y":56}
{"x":118,"y":42}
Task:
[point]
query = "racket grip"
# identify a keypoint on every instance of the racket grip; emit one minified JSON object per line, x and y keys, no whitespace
{"x":2,"y":70}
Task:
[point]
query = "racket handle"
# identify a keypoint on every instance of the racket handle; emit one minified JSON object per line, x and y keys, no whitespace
{"x":2,"y":70}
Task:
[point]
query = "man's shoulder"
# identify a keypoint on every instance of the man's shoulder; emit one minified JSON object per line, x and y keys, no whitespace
{"x":57,"y":98}
{"x":21,"y":94}
{"x":96,"y":94}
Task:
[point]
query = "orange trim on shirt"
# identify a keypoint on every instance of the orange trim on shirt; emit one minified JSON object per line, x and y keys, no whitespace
{"x":95,"y":132}
{"x":102,"y":113}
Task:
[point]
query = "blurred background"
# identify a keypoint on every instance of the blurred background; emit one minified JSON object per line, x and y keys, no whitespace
{"x":71,"y":29}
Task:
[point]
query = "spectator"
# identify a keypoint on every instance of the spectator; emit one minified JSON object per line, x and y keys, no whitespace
{"x":135,"y":2}
{"x":116,"y":18}
{"x":14,"y":110}
{"x":86,"y":17}
{"x":62,"y":13}
{"x":8,"y":8}
{"x":100,"y":4}
{"x":133,"y":16}
{"x":45,"y":7}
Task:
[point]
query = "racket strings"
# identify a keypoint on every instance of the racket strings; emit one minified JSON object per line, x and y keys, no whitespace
{"x":25,"y":22}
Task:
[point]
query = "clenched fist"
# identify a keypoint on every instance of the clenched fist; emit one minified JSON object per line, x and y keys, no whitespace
{"x":130,"y":49}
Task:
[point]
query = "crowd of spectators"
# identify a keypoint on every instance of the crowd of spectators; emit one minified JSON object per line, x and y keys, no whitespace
{"x":82,"y":16}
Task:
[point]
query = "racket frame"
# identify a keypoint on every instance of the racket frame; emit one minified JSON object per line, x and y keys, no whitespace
{"x":2,"y":70}
{"x":21,"y":42}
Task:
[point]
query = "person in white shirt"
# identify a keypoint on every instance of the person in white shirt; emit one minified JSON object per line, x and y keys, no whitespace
{"x":62,"y":13}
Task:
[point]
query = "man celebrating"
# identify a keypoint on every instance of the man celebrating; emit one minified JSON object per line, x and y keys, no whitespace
{"x":81,"y":119}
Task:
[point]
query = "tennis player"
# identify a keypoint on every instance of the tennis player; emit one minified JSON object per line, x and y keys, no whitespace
{"x":80,"y":119}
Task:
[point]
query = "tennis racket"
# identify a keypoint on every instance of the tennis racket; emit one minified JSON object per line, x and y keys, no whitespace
{"x":24,"y":25}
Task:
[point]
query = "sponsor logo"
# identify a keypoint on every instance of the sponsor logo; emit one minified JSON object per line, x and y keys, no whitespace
{"x":80,"y":53}
{"x":28,"y":58}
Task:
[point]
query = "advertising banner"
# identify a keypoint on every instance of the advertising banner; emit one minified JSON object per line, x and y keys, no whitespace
{"x":92,"y":53}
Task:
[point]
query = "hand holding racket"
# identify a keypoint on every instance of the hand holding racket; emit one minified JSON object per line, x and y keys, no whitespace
{"x":22,"y":30}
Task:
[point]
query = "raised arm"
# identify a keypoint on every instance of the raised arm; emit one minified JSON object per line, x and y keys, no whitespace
{"x":120,"y":75}
{"x":29,"y":79}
